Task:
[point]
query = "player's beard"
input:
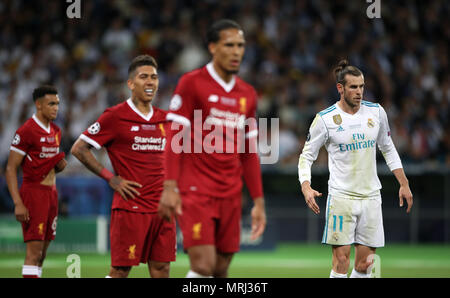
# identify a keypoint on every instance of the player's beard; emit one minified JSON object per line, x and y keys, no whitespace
{"x":349,"y":102}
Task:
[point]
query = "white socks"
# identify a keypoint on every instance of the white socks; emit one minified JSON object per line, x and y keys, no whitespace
{"x":356,"y":274}
{"x":192,"y":274}
{"x":337,"y":275}
{"x":29,"y":271}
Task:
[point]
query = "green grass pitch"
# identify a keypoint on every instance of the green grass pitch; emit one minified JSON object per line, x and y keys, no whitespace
{"x":288,"y":260}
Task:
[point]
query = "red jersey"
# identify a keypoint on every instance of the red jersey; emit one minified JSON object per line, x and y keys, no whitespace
{"x":216,"y":112}
{"x":135,"y":145}
{"x":40,"y":146}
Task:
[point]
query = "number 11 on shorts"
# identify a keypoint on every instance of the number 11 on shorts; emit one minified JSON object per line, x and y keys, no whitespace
{"x":341,"y":221}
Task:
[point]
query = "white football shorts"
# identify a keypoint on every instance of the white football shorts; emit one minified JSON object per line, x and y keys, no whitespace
{"x":349,"y":221}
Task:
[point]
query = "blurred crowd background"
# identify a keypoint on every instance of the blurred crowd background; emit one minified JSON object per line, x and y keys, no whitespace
{"x":291,"y":49}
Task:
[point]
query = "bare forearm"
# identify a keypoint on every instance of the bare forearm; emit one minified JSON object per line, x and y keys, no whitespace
{"x":83,"y":153}
{"x":401,"y":177}
{"x":13,"y":185}
{"x":259,"y":203}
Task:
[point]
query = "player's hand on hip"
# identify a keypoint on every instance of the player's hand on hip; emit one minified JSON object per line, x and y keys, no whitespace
{"x":170,"y":202}
{"x":126,"y":188}
{"x":405,"y":194}
{"x":310,"y":197}
{"x":259,"y":219}
{"x":21,"y":213}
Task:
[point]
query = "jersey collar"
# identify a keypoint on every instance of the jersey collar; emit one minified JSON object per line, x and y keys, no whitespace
{"x":135,"y":109}
{"x":38,"y":122}
{"x":226,"y":86}
{"x":342,"y":111}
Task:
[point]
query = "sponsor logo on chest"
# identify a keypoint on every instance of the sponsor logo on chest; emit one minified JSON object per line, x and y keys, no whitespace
{"x":149,"y":142}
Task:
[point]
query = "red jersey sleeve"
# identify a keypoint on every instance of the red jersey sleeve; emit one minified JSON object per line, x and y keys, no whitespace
{"x":102,"y":131}
{"x":250,"y":159}
{"x":180,"y":116}
{"x":181,"y":109}
{"x":21,"y":141}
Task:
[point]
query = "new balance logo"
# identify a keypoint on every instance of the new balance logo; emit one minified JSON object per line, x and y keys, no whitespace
{"x":135,"y":128}
{"x":340,"y":129}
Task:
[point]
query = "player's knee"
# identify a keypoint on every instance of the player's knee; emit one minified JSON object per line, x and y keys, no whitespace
{"x":203,"y":268}
{"x":160,"y":270}
{"x":362,"y":266}
{"x":342,"y":259}
{"x":119,"y":271}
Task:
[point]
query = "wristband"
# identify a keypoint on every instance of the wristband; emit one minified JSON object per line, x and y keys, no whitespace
{"x":106,"y":174}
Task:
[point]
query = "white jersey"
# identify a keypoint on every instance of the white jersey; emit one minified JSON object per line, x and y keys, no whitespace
{"x":351,"y":142}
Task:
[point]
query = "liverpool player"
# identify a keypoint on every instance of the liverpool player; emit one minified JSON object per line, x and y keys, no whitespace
{"x":133,"y":133}
{"x":35,"y":148}
{"x":208,"y":172}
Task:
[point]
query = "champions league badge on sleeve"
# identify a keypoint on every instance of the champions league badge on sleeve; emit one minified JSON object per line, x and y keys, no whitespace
{"x":94,"y":128}
{"x":16,"y":140}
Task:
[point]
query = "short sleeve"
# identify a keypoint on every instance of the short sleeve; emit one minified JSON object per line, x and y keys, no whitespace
{"x":101,"y":132}
{"x":21,"y":142}
{"x":182,"y":103}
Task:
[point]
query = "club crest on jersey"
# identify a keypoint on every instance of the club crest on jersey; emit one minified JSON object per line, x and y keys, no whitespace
{"x":161,"y":128}
{"x":370,"y":123}
{"x":132,"y":252}
{"x":243,"y":104}
{"x":94,"y":128}
{"x":196,"y":228}
{"x":41,"y":228}
{"x":337,"y":119}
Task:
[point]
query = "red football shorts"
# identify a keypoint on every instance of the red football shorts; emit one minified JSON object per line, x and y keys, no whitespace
{"x":140,"y":238}
{"x":211,"y":220}
{"x":42,"y":204}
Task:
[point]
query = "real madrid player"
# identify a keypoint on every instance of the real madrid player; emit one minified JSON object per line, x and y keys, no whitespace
{"x":350,"y":130}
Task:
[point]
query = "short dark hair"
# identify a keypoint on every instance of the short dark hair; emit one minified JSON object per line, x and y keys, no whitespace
{"x":43,"y":90}
{"x":140,"y":61}
{"x":213,"y":34}
{"x":343,"y":69}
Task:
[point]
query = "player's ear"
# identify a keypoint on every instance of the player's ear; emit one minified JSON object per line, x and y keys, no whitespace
{"x":212,"y":48}
{"x":130,"y":84}
{"x":340,"y":88}
{"x":38,"y":103}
